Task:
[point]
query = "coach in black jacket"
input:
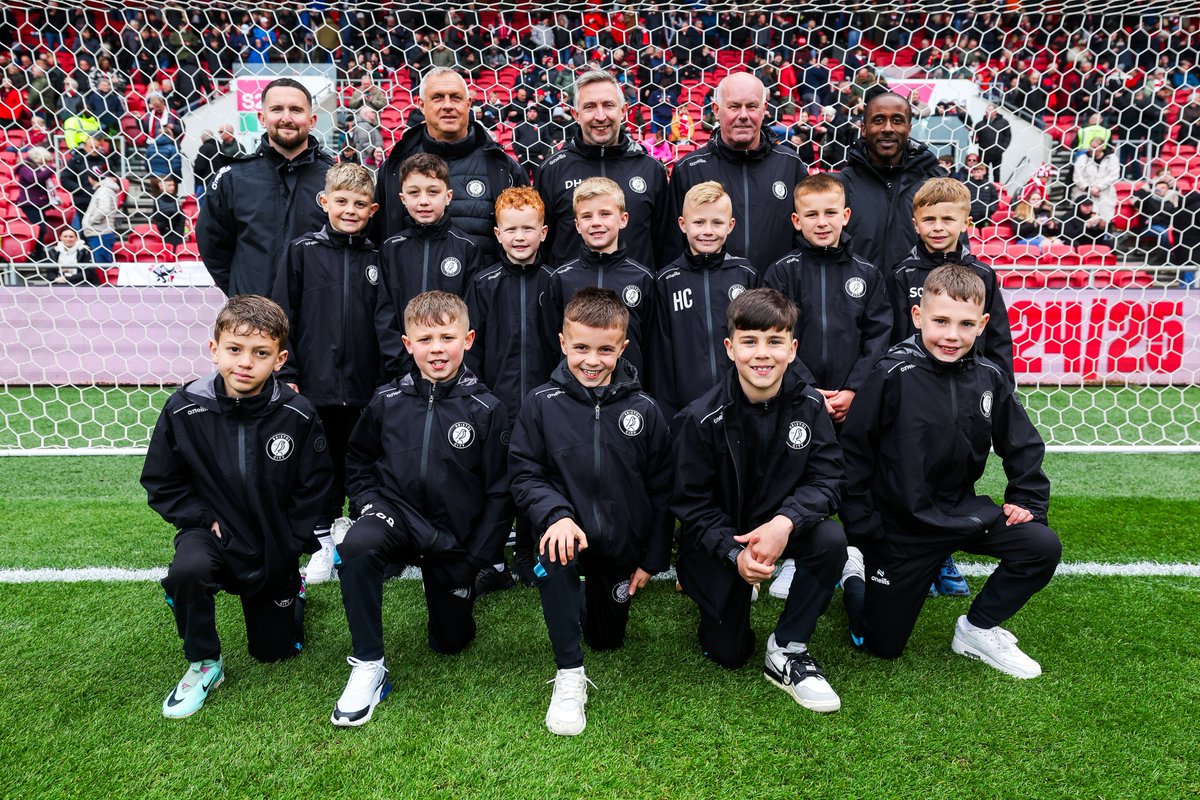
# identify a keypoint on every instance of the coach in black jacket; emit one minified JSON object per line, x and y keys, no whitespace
{"x":479,"y":168}
{"x":257,"y":204}
{"x":883,"y":171}
{"x":758,"y":174}
{"x":845,"y":317}
{"x":598,"y":146}
{"x":908,"y":279}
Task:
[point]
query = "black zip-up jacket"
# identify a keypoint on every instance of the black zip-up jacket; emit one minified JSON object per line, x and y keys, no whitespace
{"x":436,"y":457}
{"x":419,"y":259}
{"x":327,"y":284}
{"x":641,"y":176}
{"x":257,"y":465}
{"x":687,"y":351}
{"x":479,"y":171}
{"x":845,"y":317}
{"x":508,"y":352}
{"x":632,"y":282}
{"x":880,"y":199}
{"x":917,"y":438}
{"x":760,"y":184}
{"x":907,"y":282}
{"x":253,"y":208}
{"x":604,"y":461}
{"x":714,"y":497}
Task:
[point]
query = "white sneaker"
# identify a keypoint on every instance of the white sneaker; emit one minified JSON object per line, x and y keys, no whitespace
{"x":367,"y":686}
{"x":320,"y":566}
{"x":754,"y":593}
{"x":995,"y":647}
{"x":794,"y":670}
{"x":337,"y":531}
{"x":565,"y":715}
{"x":783,"y":582}
{"x":855,"y":566}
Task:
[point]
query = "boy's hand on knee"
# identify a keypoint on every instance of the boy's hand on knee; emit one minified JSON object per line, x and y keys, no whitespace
{"x":753,"y":571}
{"x":216,"y":529}
{"x":1015,"y":515}
{"x":563,"y":539}
{"x":637,"y":580}
{"x":766,"y":542}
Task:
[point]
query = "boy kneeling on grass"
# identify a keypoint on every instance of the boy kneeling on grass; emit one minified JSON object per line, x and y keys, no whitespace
{"x":238,"y":463}
{"x":758,"y":475}
{"x":916,"y":441}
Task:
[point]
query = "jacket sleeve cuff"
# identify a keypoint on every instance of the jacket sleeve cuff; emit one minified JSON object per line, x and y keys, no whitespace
{"x":557,"y":514}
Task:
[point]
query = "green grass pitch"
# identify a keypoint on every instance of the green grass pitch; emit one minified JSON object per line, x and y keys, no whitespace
{"x":86,"y":667}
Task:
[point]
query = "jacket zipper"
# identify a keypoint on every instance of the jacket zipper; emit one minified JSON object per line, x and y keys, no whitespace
{"x":824,"y":323}
{"x":599,"y":277}
{"x":345,"y":318}
{"x":521,"y":382}
{"x":596,"y":469}
{"x":425,"y":439}
{"x":712,"y":355}
{"x":746,"y":195}
{"x":737,"y":475}
{"x":424,"y":274}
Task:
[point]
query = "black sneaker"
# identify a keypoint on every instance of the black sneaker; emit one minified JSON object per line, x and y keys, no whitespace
{"x":489,"y":580}
{"x":522,"y":565}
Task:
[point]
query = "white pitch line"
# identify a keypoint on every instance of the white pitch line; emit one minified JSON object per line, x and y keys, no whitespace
{"x":1135,"y":569}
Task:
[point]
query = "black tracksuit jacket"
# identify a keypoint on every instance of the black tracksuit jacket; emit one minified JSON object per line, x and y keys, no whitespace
{"x":845,"y":317}
{"x":632,"y":282}
{"x":436,"y":457}
{"x":687,"y":355}
{"x":253,"y":208}
{"x":881,"y":198}
{"x":605,"y":463}
{"x":479,"y":171}
{"x":907,"y":280}
{"x":760,"y":184}
{"x":508,"y":352}
{"x":642,"y":177}
{"x":327,"y":284}
{"x":420,"y":259}
{"x":916,"y":441}
{"x":714,"y":497}
{"x":258,"y":465}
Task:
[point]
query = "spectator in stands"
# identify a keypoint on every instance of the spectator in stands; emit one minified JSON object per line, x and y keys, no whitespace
{"x":105,"y":68}
{"x":884,"y":170}
{"x":177,"y":101}
{"x":70,"y":102}
{"x":527,"y":142}
{"x":1093,"y":131}
{"x":1096,"y":175}
{"x":36,"y":188}
{"x":993,"y":135}
{"x":1085,"y":226}
{"x":162,"y":129}
{"x":70,"y":261}
{"x":88,"y":157}
{"x":984,"y":197}
{"x":169,"y":218}
{"x":241,"y":237}
{"x":946,"y":162}
{"x":38,"y":134}
{"x":368,"y":94}
{"x":1036,"y":223}
{"x":366,"y":136}
{"x":1189,"y":121}
{"x":106,"y":106}
{"x":920,"y":107}
{"x":1159,"y":205}
{"x":100,"y":220}
{"x":40,"y":98}
{"x":758,"y":174}
{"x":1141,"y":121}
{"x":479,"y":168}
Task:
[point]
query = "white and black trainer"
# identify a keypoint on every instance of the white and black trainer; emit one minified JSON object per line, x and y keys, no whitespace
{"x":782,"y":585}
{"x":995,"y":647}
{"x":368,"y":685}
{"x":794,"y":670}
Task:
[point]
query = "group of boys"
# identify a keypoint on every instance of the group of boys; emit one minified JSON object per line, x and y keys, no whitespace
{"x":593,"y":404}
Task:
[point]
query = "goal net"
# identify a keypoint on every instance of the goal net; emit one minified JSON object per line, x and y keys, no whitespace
{"x":1074,"y":124}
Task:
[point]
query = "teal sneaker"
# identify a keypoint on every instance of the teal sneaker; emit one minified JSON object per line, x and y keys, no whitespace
{"x":200,"y":679}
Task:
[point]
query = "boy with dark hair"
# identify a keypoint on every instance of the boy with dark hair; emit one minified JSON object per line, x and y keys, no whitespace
{"x":327,"y":284}
{"x":916,"y":441}
{"x":942,"y":215}
{"x":600,"y":215}
{"x":428,"y":254}
{"x":238,"y":464}
{"x":507,"y":353}
{"x":590,"y":464}
{"x":692,"y":293}
{"x":844,"y":319}
{"x":758,"y":476}
{"x":427,"y":464}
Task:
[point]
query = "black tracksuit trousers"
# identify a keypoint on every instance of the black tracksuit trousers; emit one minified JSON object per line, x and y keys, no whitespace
{"x":370,"y":546}
{"x":337,"y":421}
{"x":201,"y":568}
{"x":584,"y":600}
{"x":900,"y":569}
{"x":728,"y":639}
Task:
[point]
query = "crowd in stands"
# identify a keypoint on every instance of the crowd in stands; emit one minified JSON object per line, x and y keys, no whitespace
{"x":120,"y":81}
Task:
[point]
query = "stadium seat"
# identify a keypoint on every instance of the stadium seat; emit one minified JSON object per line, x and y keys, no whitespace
{"x":1020,"y":279}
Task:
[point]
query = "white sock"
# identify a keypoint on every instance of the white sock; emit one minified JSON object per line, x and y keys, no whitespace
{"x":499,"y":567}
{"x":573,"y":669}
{"x":967,"y":626}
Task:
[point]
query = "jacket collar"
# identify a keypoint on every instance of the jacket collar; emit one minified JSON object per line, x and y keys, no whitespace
{"x":705,"y":260}
{"x":766,"y":143}
{"x":624,"y":382}
{"x":352,"y":241}
{"x":597,"y":260}
{"x":462,"y":384}
{"x":836,"y":254}
{"x":520,"y":269}
{"x":594,"y":152}
{"x":918,"y":160}
{"x":209,"y":392}
{"x":306,"y":156}
{"x":915,"y":352}
{"x":434,"y":230}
